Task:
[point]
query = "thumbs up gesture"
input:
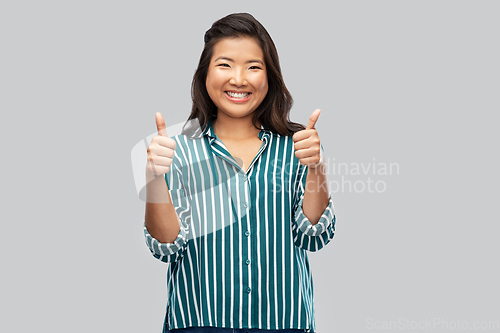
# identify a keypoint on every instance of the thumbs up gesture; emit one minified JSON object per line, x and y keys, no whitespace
{"x":307,"y":144}
{"x":161,"y":150}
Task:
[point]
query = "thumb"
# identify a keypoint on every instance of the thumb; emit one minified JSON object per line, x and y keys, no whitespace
{"x":313,"y":119}
{"x":160,"y":125}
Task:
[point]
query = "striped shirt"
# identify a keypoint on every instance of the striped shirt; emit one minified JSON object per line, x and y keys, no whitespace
{"x":240,"y":259}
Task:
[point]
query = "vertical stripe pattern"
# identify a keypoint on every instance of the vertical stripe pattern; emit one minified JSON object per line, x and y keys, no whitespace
{"x":240,"y":259}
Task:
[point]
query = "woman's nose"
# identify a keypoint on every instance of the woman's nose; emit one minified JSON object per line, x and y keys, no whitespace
{"x":238,"y":79}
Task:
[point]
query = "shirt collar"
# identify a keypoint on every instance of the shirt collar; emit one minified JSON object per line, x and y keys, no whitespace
{"x":210,"y":132}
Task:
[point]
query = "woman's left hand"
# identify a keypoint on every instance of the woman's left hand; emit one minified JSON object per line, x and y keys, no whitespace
{"x":307,"y":144}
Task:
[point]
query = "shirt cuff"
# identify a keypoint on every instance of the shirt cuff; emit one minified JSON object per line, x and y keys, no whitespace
{"x":306,"y":227}
{"x":165,"y":249}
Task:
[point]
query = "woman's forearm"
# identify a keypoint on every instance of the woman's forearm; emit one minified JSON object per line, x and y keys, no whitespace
{"x":161,"y":218}
{"x":317,"y":195}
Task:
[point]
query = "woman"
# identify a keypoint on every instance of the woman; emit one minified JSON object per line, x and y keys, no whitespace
{"x":239,"y":218}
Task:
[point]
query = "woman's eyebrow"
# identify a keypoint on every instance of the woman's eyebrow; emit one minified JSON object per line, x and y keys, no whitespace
{"x":229,"y":59}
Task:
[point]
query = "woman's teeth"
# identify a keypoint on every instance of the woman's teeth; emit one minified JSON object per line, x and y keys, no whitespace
{"x":237,"y":95}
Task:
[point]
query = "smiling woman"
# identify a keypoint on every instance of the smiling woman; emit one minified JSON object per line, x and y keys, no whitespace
{"x":235,"y":30}
{"x":236,"y":79}
{"x":240,"y":221}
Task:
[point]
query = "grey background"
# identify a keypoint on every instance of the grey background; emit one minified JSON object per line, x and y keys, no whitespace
{"x":408,"y":82}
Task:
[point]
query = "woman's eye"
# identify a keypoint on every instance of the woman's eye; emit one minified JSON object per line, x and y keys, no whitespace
{"x":224,"y":65}
{"x":255,"y":67}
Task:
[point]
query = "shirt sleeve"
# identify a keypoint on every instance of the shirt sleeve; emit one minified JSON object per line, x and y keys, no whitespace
{"x":306,"y":235}
{"x":172,"y":252}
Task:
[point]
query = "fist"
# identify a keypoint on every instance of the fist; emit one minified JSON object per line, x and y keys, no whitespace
{"x":161,"y":150}
{"x":307,"y":144}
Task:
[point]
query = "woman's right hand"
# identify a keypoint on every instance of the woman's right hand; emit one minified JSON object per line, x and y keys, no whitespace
{"x":161,"y":150}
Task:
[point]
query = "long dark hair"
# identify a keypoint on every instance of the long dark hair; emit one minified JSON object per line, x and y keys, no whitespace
{"x":274,"y":111}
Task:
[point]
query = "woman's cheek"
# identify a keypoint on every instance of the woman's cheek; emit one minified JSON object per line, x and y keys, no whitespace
{"x":264,"y":83}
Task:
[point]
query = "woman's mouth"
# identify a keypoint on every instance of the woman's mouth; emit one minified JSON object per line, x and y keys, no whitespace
{"x":237,"y":97}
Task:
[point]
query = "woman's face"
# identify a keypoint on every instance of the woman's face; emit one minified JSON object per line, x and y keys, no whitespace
{"x":237,"y":76}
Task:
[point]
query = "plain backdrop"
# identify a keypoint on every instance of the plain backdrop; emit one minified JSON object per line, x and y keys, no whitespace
{"x":413,"y":83}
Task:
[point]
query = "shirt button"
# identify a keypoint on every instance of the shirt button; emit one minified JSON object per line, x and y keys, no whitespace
{"x":248,"y":261}
{"x":245,"y":178}
{"x":249,"y":290}
{"x":245,"y":205}
{"x":247,"y":233}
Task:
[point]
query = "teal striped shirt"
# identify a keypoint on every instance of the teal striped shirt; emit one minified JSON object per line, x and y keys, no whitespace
{"x":240,"y":259}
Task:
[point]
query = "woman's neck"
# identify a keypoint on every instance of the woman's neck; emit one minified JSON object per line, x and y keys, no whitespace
{"x":235,"y":128}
